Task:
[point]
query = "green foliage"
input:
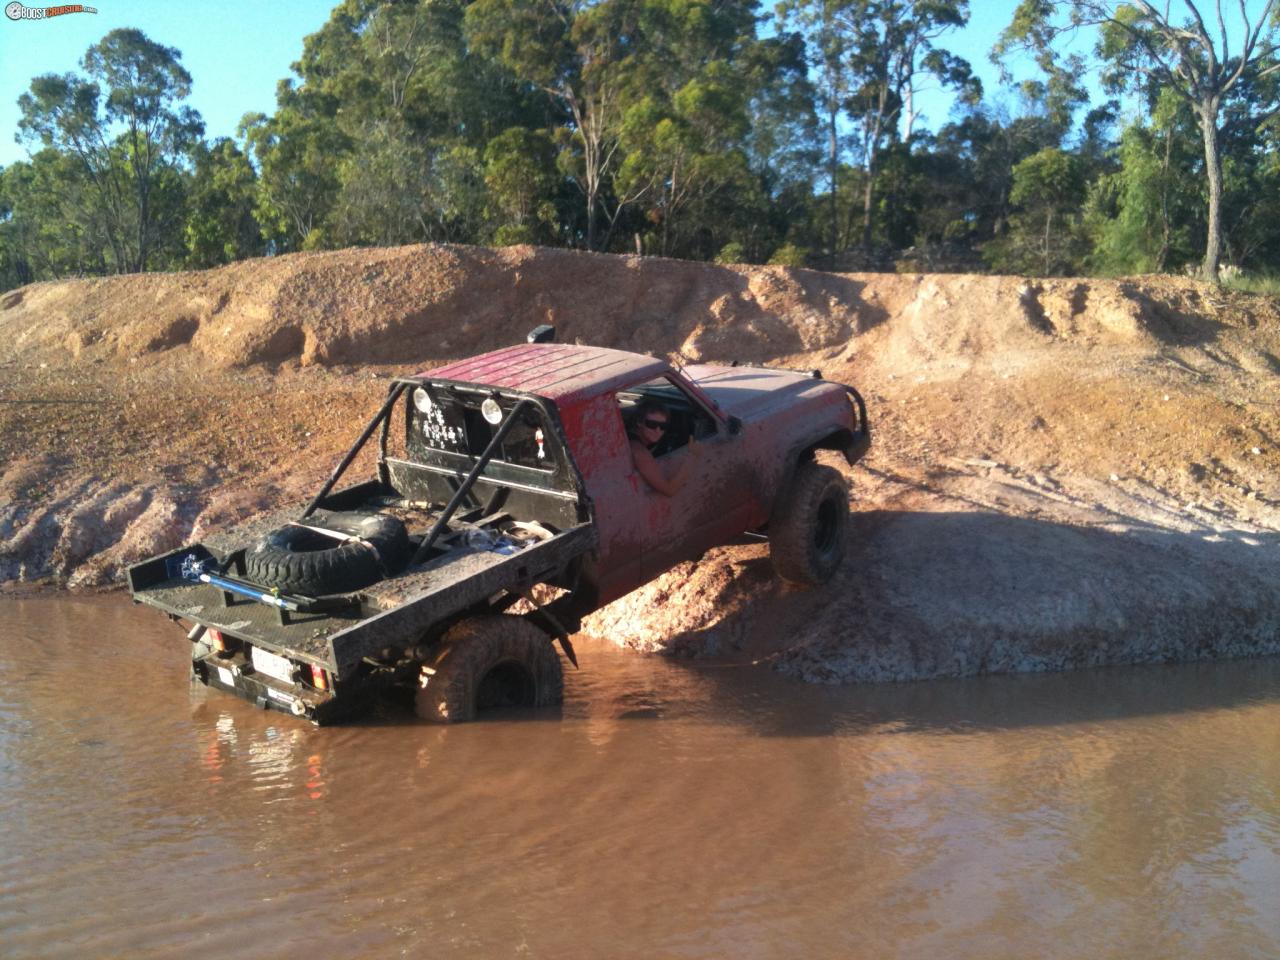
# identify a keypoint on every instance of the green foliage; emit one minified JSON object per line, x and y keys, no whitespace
{"x":1050,"y":179}
{"x":512,"y":235}
{"x":1141,"y":215}
{"x":129,"y":135}
{"x":521,"y":178}
{"x":1267,"y":284}
{"x":732,"y":252}
{"x":663,"y":126}
{"x":789,"y":255}
{"x":52,"y":226}
{"x":872,"y":57}
{"x":1151,"y":50}
{"x":1045,"y":237}
{"x":220,"y":223}
{"x":297,"y":153}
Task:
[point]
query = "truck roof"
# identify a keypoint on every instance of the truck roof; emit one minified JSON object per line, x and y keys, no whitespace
{"x":557,"y":371}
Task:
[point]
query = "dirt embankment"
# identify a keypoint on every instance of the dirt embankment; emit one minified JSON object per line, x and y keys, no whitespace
{"x":1064,"y":472}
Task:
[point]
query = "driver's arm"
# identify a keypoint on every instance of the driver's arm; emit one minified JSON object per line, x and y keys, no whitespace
{"x":655,"y":476}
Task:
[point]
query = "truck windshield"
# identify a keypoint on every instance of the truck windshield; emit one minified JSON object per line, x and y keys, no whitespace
{"x":459,"y":422}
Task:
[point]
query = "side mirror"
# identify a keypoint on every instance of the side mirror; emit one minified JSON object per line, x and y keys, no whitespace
{"x":735,"y":426}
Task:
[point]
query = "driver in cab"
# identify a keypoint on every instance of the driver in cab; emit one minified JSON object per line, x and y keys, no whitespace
{"x":648,"y":428}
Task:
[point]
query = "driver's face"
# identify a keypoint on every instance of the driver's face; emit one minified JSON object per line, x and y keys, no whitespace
{"x":653,"y":428}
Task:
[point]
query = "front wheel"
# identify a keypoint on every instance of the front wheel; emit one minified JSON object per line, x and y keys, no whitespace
{"x":807,"y":530}
{"x":486,"y":662}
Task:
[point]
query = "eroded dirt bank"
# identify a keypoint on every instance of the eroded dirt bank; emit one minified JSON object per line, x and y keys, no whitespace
{"x":1064,"y":472}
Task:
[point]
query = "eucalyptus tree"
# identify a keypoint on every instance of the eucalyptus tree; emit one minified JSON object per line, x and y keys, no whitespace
{"x":1202,"y":52}
{"x":697,"y":72}
{"x":579,"y":54}
{"x":220,"y":223}
{"x":124,"y":125}
{"x":296,"y":152}
{"x":873,"y":56}
{"x":827,"y":46}
{"x":391,"y":111}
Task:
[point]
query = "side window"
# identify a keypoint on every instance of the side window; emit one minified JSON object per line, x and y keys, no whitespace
{"x":686,"y":417}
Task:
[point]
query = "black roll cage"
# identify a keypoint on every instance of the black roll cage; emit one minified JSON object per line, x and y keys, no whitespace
{"x":381,"y":422}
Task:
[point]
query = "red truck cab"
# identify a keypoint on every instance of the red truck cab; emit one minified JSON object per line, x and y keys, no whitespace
{"x":756,"y":424}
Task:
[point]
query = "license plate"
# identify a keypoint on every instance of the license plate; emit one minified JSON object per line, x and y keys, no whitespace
{"x":281,"y":668}
{"x":227,"y":676}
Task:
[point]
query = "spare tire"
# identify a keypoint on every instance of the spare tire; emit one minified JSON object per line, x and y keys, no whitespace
{"x":300,"y":558}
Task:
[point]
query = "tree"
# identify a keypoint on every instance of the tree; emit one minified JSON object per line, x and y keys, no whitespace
{"x":1143,"y":46}
{"x":782,"y":144}
{"x":126,"y":144}
{"x":378,"y":138}
{"x":220,"y":222}
{"x":295,"y":152}
{"x":520,"y":174}
{"x":827,"y":46}
{"x":873,"y":55}
{"x":578,"y":54}
{"x":681,"y":153}
{"x":1142,"y":213}
{"x":1044,"y":236}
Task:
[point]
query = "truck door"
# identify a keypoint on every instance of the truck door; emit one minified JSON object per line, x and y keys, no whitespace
{"x":714,"y":505}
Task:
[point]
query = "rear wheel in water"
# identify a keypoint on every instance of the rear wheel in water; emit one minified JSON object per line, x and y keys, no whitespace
{"x":489,"y":662}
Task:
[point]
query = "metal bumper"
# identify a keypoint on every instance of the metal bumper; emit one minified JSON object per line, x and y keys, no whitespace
{"x":236,"y":676}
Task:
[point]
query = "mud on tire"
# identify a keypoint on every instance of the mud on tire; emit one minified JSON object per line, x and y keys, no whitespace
{"x":490,"y":661}
{"x":807,"y":530}
{"x":298,"y":560}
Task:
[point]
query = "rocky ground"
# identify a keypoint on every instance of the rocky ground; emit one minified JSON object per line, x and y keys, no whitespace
{"x":1063,"y":472}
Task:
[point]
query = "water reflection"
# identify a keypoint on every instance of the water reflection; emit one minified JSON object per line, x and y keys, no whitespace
{"x":667,"y":810}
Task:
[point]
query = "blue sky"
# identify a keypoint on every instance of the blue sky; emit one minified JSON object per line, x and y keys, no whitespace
{"x":237,"y":50}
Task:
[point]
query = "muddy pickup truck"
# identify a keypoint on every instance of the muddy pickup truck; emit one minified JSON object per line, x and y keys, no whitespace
{"x":506,"y":505}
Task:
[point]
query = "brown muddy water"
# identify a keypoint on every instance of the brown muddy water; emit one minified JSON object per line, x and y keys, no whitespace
{"x":669,"y":810}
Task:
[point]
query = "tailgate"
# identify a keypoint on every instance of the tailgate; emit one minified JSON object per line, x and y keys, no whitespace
{"x":301,"y":636}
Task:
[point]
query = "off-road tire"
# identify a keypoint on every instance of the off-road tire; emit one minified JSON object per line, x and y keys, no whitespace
{"x":297,"y":560}
{"x":484,"y":656}
{"x":807,"y":530}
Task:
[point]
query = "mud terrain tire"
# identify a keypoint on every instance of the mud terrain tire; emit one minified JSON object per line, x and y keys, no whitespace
{"x":490,"y":661}
{"x":807,"y":531}
{"x":297,"y":560}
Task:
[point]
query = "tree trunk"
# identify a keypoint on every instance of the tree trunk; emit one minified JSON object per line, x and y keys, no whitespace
{"x":834,"y":161}
{"x":1208,"y":111}
{"x":908,"y":112}
{"x":868,"y":194}
{"x":1048,"y":232}
{"x":591,"y":220}
{"x":1166,"y":228}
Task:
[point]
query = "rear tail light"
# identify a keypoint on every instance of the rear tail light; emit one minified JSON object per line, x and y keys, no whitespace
{"x":216,"y":638}
{"x":319,"y":679}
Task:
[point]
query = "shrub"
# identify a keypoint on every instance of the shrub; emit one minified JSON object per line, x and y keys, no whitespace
{"x":789,"y":255}
{"x":513,"y":234}
{"x":732,"y":252}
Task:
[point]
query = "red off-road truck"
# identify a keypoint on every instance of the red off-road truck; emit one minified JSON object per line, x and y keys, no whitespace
{"x":505,"y":506}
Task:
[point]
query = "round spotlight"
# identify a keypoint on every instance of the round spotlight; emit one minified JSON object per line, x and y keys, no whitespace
{"x":422,"y":400}
{"x":491,"y":411}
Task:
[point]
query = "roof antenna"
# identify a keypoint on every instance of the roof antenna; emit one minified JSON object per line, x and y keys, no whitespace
{"x":544,"y":333}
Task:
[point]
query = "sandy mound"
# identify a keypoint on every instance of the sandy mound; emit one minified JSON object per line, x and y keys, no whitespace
{"x":1064,"y":472}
